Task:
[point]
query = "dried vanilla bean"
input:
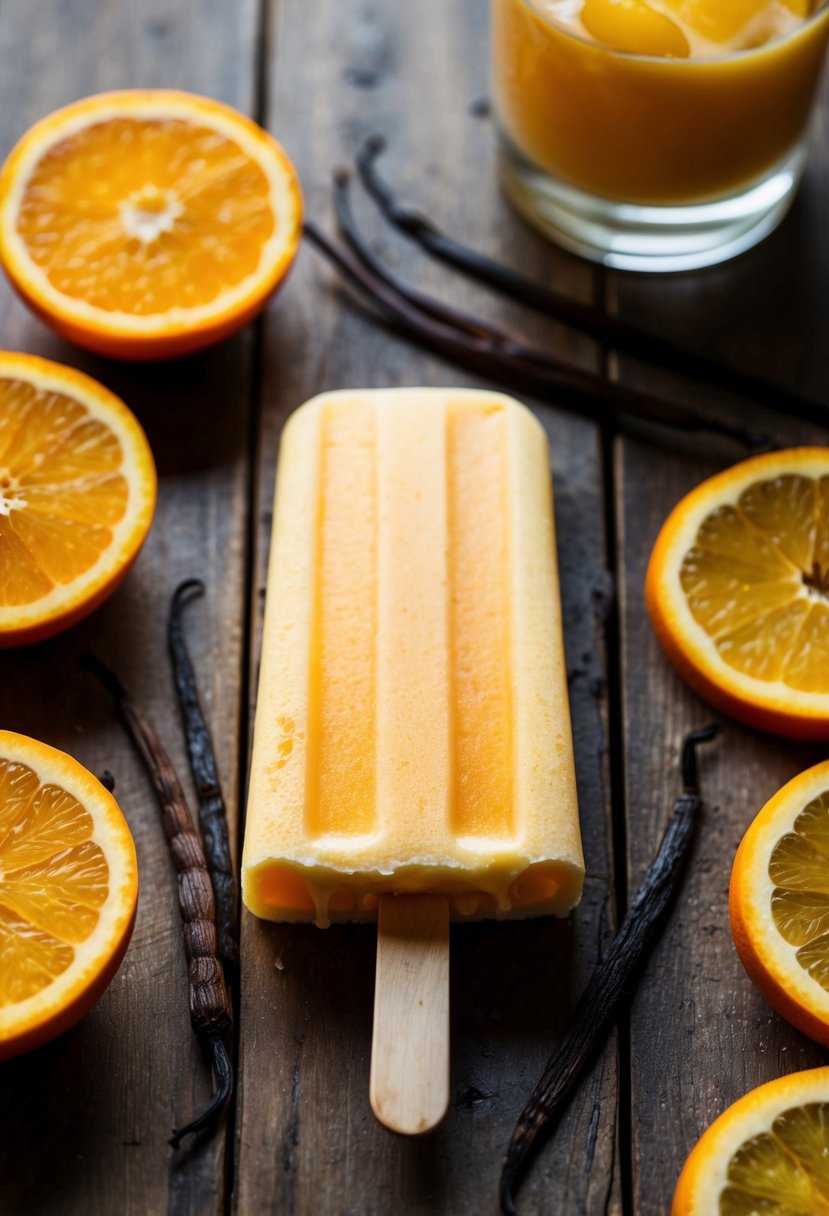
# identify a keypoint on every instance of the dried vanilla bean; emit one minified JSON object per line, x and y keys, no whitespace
{"x":433,"y":308}
{"x":212,"y":812}
{"x":614,"y":331}
{"x":520,"y":369}
{"x":210,"y":1012}
{"x":610,"y":983}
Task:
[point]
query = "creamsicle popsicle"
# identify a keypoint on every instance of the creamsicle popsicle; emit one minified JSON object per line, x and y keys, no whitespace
{"x":412,"y":728}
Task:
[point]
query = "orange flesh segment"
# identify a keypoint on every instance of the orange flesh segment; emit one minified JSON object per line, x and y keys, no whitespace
{"x":782,"y":1172}
{"x":142,"y":216}
{"x":749,"y":580}
{"x":61,"y":491}
{"x":55,"y":878}
{"x":799,"y":868}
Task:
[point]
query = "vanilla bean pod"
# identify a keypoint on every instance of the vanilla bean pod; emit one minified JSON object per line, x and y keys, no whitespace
{"x":610,"y":982}
{"x":476,"y":328}
{"x":210,"y":1012}
{"x":212,"y":811}
{"x":614,"y":331}
{"x":440,"y":312}
{"x":493,"y":355}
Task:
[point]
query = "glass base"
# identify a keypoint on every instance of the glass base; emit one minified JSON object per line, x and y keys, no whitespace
{"x":630,"y":236}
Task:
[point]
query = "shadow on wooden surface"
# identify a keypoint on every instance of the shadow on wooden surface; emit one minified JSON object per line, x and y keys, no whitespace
{"x":322,"y":985}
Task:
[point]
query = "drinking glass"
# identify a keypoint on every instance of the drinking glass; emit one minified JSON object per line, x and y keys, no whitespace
{"x":649,"y":163}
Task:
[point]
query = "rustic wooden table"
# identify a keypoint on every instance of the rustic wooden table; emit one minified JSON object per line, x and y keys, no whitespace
{"x":85,"y":1121}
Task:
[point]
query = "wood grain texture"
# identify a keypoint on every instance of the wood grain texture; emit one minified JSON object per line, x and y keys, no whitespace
{"x":84,"y":1122}
{"x":307,"y":1140}
{"x":701,"y":1036}
{"x":409,"y":1081}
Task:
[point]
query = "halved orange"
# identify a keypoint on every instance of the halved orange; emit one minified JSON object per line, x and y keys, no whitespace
{"x":68,"y":891}
{"x":77,"y":494}
{"x":147,"y":223}
{"x":779,"y":902}
{"x":738,"y":591}
{"x":766,"y":1155}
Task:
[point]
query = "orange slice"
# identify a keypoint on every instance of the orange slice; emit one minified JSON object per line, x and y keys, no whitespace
{"x":77,"y":494}
{"x":767,"y":1155}
{"x":634,"y":27}
{"x":68,"y":891}
{"x":738,"y":591}
{"x":738,"y":24}
{"x":779,"y":902}
{"x":147,"y":223}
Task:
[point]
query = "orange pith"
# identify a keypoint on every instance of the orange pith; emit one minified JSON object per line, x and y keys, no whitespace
{"x":77,"y":491}
{"x":779,"y":901}
{"x":68,"y":887}
{"x":738,"y":591}
{"x":147,"y":223}
{"x":766,"y":1155}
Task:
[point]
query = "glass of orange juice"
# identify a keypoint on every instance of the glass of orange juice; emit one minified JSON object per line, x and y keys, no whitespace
{"x":655,"y":134}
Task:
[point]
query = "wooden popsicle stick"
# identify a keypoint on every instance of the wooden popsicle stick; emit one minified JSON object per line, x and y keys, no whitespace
{"x":409,"y":1087}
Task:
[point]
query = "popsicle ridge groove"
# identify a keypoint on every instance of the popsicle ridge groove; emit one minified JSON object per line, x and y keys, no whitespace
{"x":480,"y":624}
{"x":342,"y":678}
{"x":312,"y":725}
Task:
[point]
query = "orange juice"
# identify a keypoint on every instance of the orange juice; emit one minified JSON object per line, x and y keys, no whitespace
{"x":656,"y":102}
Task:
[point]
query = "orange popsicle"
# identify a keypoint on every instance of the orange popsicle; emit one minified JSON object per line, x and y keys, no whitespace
{"x":412,"y":728}
{"x":412,"y":754}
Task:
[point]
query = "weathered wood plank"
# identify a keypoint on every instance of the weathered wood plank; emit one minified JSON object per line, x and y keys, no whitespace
{"x":84,"y":1122}
{"x":307,"y":1142}
{"x":701,"y":1035}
